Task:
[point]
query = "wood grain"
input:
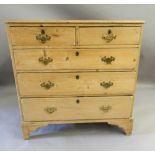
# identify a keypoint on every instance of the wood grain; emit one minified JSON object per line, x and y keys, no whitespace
{"x":66,"y":84}
{"x":125,"y":59}
{"x":125,"y":124}
{"x":124,"y":35}
{"x":75,"y":21}
{"x":76,"y":100}
{"x":26,"y":36}
{"x":69,"y":109}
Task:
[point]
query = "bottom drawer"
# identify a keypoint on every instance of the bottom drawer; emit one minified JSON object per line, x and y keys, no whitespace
{"x":77,"y":108}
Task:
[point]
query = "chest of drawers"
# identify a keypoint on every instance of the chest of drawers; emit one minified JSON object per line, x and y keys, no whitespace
{"x":75,"y":71}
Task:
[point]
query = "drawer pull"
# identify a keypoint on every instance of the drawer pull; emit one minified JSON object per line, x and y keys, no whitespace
{"x":47,"y":85}
{"x":105,"y":108}
{"x":106,"y":85}
{"x":108,"y":60}
{"x":45,"y":60}
{"x":43,"y":37}
{"x":109,"y":36}
{"x":50,"y":110}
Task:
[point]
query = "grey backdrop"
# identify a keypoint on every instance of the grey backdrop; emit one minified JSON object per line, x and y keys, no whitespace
{"x":50,"y":11}
{"x":88,"y":136}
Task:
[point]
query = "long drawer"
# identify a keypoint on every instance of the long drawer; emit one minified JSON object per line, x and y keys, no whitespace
{"x":43,"y":109}
{"x":109,"y":35}
{"x":77,"y":84}
{"x":81,"y":59}
{"x":42,"y":36}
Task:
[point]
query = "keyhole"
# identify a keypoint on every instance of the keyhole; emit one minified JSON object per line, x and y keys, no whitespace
{"x":42,"y":31}
{"x":77,"y":53}
{"x":109,"y":31}
{"x":77,"y":77}
{"x":77,"y":101}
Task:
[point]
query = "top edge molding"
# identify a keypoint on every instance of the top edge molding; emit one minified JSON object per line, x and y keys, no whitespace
{"x":75,"y":22}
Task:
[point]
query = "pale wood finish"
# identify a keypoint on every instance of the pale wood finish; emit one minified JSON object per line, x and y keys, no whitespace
{"x":124,"y":35}
{"x":125,"y":59}
{"x":34,"y":109}
{"x":77,"y":47}
{"x":68,"y":37}
{"x":66,"y":84}
{"x":131,"y":22}
{"x":14,"y":69}
{"x":28,"y":128}
{"x":125,"y":124}
{"x":83,"y":23}
{"x":26,"y":36}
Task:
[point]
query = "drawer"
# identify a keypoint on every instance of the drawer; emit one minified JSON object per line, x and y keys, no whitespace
{"x":82,"y":59}
{"x":44,"y":109}
{"x":110,"y":35}
{"x":42,"y":36}
{"x":77,"y":84}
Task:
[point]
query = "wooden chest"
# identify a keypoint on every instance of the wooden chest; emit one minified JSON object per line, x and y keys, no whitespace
{"x":78,"y":71}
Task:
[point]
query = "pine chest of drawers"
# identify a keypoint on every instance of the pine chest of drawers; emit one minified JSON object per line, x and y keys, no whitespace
{"x":75,"y":71}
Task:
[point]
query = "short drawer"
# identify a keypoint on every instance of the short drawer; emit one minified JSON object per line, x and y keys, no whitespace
{"x":42,"y":36}
{"x":81,"y":108}
{"x":110,"y":35}
{"x":82,"y":59}
{"x":77,"y":84}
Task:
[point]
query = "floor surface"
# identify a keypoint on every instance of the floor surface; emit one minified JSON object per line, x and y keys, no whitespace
{"x":79,"y":136}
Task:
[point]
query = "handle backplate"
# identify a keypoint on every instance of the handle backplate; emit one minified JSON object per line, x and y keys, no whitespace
{"x":43,"y":37}
{"x":106,"y":85}
{"x":105,"y":108}
{"x":47,"y":85}
{"x":109,"y":36}
{"x":108,"y":60}
{"x":45,"y":60}
{"x":50,"y":110}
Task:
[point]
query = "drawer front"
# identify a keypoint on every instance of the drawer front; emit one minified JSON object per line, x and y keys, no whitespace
{"x":46,"y":36}
{"x":77,"y":84}
{"x":107,"y":59}
{"x":43,"y":109}
{"x":110,"y":35}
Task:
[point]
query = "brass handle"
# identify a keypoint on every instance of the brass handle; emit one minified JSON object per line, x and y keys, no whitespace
{"x":109,"y":36}
{"x":47,"y":85}
{"x":106,"y":85}
{"x":105,"y":108}
{"x":45,"y":60}
{"x":108,"y":60}
{"x":50,"y":110}
{"x":43,"y":37}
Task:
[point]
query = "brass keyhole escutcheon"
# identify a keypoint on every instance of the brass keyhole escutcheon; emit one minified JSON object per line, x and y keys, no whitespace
{"x":109,"y":36}
{"x":43,"y":37}
{"x":77,"y":101}
{"x":77,"y":77}
{"x":45,"y":59}
{"x":77,"y":53}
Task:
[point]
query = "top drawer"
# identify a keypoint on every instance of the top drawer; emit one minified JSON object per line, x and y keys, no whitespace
{"x":42,"y":36}
{"x":110,"y":35}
